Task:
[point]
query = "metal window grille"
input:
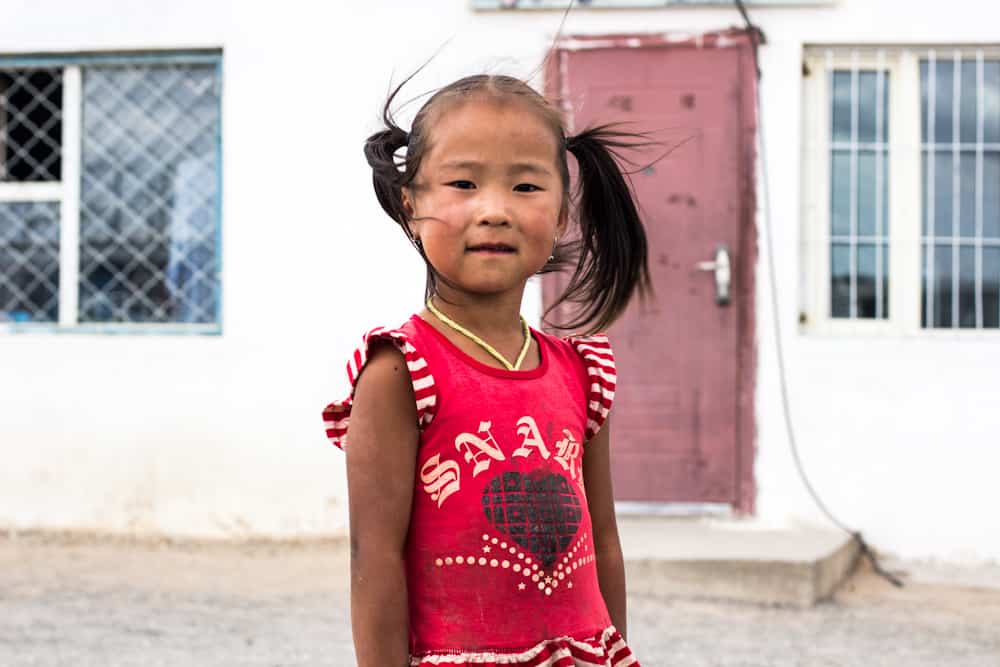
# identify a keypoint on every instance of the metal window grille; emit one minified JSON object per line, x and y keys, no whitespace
{"x":149,"y":194}
{"x":30,"y":124}
{"x":859,"y":201}
{"x":109,"y":192}
{"x":29,"y":255}
{"x":902,"y":150}
{"x":960,"y":151}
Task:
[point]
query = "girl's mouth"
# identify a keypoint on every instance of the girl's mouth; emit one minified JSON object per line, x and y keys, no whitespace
{"x":491,"y":248}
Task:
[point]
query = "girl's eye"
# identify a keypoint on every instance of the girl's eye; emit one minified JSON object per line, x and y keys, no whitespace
{"x":463,"y":185}
{"x":526,"y":187}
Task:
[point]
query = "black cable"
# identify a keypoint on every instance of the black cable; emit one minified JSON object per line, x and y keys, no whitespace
{"x":757,"y":38}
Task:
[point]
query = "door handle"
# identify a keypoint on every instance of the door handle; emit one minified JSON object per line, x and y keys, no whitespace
{"x":722,"y":268}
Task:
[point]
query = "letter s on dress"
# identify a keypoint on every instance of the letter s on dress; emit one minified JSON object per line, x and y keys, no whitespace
{"x":440,"y":479}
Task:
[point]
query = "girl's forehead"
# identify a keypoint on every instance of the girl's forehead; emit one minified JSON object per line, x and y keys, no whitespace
{"x":495,"y":127}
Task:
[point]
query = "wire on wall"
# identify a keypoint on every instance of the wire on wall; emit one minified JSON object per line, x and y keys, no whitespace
{"x":757,"y":38}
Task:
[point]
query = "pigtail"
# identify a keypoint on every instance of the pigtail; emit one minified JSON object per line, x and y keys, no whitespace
{"x":611,"y":262}
{"x":380,"y":151}
{"x":388,"y":173}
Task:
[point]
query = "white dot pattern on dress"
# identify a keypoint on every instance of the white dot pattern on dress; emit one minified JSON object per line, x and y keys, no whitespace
{"x":547,"y":582}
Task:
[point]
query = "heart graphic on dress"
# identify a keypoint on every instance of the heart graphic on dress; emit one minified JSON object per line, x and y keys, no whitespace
{"x":540,"y":512}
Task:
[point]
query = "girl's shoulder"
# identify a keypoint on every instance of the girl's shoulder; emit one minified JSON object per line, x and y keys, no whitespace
{"x":593,"y":359}
{"x":405,"y":339}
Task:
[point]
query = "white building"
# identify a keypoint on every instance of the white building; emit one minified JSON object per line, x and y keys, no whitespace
{"x":190,"y":247}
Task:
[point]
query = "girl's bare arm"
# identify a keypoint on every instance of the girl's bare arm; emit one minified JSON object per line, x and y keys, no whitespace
{"x":607,"y":547}
{"x":381,"y":462}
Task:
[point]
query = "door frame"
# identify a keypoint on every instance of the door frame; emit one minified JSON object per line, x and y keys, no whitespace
{"x":744,"y":273}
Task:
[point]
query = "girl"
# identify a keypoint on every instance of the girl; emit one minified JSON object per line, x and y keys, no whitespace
{"x":481,"y":512}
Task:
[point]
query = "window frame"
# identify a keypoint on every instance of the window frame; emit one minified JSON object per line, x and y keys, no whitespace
{"x":905,"y":189}
{"x":66,"y":191}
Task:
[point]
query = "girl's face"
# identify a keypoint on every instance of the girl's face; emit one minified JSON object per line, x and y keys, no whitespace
{"x":487,"y":201}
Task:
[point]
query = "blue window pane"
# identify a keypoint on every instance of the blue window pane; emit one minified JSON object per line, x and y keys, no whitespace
{"x":869,"y":101}
{"x":866,"y":281}
{"x":924,"y":194}
{"x":869,"y":185}
{"x":943,"y":180}
{"x":840,"y":193}
{"x":840,"y":280}
{"x":969,"y":110}
{"x":991,"y":288}
{"x":884,"y":258}
{"x":991,"y":101}
{"x":967,"y":195}
{"x":941,"y":286}
{"x":924,"y":98}
{"x":29,"y":261}
{"x":944,"y":94}
{"x":149,"y":194}
{"x":991,"y":195}
{"x":967,"y":287}
{"x":841,"y":106}
{"x":872,"y":280}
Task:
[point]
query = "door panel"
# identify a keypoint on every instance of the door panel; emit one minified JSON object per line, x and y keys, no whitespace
{"x":684,"y":403}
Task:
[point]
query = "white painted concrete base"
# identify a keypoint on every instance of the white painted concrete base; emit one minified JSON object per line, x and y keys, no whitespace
{"x":745,"y":561}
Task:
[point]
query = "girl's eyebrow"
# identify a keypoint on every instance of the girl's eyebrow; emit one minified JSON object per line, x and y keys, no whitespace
{"x":516,"y":168}
{"x":530,"y":168}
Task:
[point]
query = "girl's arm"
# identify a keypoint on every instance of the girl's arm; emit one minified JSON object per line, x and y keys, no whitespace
{"x":607,"y":548}
{"x":381,"y":462}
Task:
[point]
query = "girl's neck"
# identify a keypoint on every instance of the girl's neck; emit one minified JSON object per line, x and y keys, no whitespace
{"x":493,"y":316}
{"x":494,"y":319}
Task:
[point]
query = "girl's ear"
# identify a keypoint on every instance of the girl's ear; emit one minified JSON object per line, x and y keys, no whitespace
{"x":407,"y":201}
{"x":563,"y":221}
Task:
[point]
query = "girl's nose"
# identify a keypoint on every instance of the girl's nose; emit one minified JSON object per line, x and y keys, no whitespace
{"x":494,"y":221}
{"x":493,"y":210}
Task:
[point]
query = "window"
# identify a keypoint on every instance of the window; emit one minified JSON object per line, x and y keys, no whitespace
{"x":901,"y":205}
{"x":110,"y":177}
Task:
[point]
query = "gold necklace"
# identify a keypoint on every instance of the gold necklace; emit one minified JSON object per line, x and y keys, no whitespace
{"x":482,"y":343}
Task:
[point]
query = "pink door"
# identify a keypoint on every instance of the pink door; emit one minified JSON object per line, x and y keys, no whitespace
{"x":682,"y":430}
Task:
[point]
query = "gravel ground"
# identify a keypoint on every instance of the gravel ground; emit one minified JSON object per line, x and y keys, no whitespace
{"x":71,"y":601}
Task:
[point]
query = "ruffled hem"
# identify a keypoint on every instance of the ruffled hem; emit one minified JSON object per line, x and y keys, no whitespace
{"x":599,"y":361}
{"x":606,"y":649}
{"x":337,"y":415}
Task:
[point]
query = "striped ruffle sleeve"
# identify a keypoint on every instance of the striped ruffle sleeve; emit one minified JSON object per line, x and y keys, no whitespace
{"x":337,"y":415}
{"x":599,"y":362}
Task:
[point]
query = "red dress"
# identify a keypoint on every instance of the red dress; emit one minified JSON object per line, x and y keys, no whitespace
{"x":499,"y":556}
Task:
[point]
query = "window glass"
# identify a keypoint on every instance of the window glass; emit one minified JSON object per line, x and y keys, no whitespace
{"x":991,"y":101}
{"x":942,"y":88}
{"x":991,"y":195}
{"x":840,"y":280}
{"x":966,"y":287}
{"x":841,"y":100}
{"x":937,"y":272}
{"x":859,"y":193}
{"x":840,"y":195}
{"x":968,"y":102}
{"x":30,"y":125}
{"x":873,"y":193}
{"x":29,"y":257}
{"x":149,"y":194}
{"x":991,"y":287}
{"x":873,"y":123}
{"x":961,"y":201}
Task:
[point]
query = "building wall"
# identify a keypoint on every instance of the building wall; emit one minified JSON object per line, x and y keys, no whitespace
{"x":221,"y":436}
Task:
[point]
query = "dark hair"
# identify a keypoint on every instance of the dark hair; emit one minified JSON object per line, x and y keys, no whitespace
{"x":610,"y":250}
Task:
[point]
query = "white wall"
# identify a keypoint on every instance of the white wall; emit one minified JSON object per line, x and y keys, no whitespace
{"x":221,"y":436}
